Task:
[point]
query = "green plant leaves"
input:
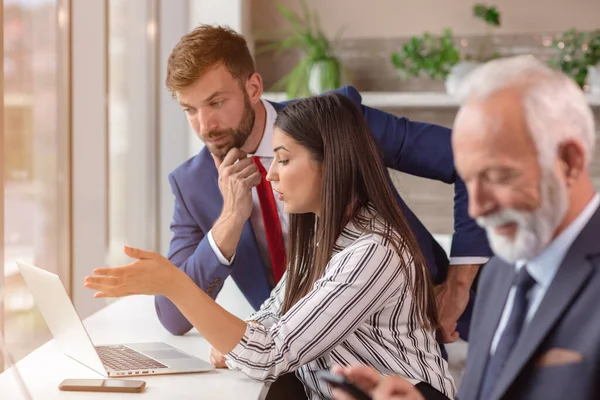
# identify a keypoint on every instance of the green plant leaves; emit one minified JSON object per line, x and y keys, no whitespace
{"x":575,"y":51}
{"x":434,"y":56}
{"x":305,"y":35}
{"x":489,"y":14}
{"x":427,"y":56}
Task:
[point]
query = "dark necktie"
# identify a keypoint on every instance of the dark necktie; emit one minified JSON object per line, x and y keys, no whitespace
{"x":508,"y":339}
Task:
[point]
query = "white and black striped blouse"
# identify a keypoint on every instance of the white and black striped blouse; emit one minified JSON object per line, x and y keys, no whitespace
{"x":359,"y":312}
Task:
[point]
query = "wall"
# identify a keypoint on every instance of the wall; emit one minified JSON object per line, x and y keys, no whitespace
{"x":393,"y":18}
{"x":370,"y":38}
{"x":432,"y":201}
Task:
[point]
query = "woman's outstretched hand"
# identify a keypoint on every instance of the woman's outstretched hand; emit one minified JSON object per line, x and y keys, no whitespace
{"x":151,"y":274}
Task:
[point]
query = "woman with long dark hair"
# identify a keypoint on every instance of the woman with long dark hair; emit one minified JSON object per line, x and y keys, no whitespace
{"x":356,"y":289}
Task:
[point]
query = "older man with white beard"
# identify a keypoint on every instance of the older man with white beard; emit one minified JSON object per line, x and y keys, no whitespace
{"x":523,"y":140}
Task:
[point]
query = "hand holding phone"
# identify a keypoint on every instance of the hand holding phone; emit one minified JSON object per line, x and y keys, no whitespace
{"x":340,"y":382}
{"x":102,"y":385}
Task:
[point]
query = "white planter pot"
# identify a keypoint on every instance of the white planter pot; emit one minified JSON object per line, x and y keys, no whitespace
{"x":593,"y":78}
{"x":324,"y":76}
{"x":458,"y":73}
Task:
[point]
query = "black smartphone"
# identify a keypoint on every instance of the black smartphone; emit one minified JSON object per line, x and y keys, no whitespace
{"x":340,"y":382}
{"x":102,"y":385}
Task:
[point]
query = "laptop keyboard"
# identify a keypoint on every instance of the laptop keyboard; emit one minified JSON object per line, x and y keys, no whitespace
{"x":123,"y":358}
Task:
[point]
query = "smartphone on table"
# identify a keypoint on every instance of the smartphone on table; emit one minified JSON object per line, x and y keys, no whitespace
{"x":102,"y":385}
{"x":342,"y":383}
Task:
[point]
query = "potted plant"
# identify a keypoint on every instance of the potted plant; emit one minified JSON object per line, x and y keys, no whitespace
{"x":319,"y":69}
{"x":428,"y":55}
{"x":578,"y":56}
{"x":491,"y":17}
{"x":437,"y":57}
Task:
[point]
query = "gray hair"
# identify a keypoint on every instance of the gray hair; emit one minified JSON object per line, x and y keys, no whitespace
{"x":555,"y":108}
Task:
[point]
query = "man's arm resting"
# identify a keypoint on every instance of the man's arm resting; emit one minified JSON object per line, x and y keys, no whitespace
{"x":205,"y":269}
{"x":192,"y":252}
{"x":208,"y":266}
{"x":425,"y":150}
{"x":461,"y":276}
{"x":226,"y":233}
{"x":469,"y":239}
{"x":452,"y":298}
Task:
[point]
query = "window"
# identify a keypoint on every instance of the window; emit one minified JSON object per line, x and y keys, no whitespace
{"x":133,"y":164}
{"x":35,"y":161}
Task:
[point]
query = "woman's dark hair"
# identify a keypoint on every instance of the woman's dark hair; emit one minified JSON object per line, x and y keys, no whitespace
{"x":332,"y":128}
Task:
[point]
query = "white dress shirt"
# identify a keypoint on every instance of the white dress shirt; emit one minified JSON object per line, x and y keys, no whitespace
{"x":543,"y":268}
{"x":265,"y":153}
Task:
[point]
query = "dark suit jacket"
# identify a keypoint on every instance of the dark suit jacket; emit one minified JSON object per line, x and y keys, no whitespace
{"x":557,"y":356}
{"x":413,"y":147}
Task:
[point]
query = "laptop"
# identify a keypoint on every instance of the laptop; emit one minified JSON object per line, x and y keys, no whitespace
{"x":109,"y":360}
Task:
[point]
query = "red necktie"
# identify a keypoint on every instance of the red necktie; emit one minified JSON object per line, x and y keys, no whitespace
{"x":268,"y":209}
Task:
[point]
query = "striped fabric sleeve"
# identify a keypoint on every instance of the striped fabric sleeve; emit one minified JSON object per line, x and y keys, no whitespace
{"x":357,"y":282}
{"x":270,"y":311}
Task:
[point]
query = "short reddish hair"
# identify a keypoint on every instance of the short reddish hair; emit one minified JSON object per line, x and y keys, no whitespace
{"x":204,"y":48}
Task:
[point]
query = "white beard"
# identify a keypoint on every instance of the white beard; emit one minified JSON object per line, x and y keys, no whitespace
{"x":534,"y":229}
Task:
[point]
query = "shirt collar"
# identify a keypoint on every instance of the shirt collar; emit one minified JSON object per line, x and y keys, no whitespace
{"x":354,"y":230}
{"x":265,"y":147}
{"x":543,"y":268}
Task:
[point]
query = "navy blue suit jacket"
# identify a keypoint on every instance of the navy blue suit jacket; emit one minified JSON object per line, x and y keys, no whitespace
{"x":415,"y":148}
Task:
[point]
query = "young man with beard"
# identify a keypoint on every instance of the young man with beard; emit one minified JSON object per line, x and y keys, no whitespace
{"x":523,"y":141}
{"x":223,"y":227}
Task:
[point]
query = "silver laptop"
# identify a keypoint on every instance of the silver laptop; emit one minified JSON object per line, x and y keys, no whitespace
{"x":110,"y":360}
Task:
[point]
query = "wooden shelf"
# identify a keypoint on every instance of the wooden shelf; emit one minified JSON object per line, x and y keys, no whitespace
{"x":409,"y":99}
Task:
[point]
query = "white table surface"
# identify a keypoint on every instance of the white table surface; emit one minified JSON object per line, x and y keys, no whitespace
{"x":128,"y":320}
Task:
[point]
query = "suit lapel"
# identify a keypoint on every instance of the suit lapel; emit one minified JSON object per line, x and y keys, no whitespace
{"x":489,"y":322}
{"x":566,"y":285}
